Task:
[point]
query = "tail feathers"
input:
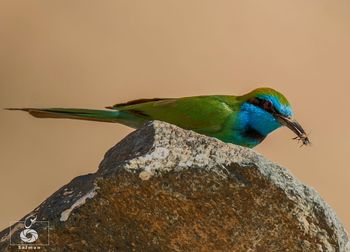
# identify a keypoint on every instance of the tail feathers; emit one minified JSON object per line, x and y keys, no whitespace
{"x":82,"y":114}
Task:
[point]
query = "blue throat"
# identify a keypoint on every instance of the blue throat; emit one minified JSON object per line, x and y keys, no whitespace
{"x":253,"y":125}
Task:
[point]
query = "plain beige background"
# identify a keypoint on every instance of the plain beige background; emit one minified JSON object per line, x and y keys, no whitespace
{"x":94,"y":53}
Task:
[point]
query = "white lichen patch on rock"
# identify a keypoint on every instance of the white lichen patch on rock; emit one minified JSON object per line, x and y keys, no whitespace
{"x":67,"y":192}
{"x":81,"y":201}
{"x":145,"y":175}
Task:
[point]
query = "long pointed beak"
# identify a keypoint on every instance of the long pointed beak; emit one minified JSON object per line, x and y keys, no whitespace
{"x":295,"y":127}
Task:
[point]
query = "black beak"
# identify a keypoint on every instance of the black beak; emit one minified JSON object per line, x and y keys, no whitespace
{"x":295,"y":127}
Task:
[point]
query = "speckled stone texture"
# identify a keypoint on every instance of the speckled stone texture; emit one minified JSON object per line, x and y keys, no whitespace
{"x":163,"y":188}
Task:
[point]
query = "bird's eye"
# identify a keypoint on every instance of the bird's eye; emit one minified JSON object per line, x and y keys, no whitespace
{"x":267,"y":105}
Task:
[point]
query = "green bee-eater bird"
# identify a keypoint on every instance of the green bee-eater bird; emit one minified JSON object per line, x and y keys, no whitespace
{"x":244,"y":120}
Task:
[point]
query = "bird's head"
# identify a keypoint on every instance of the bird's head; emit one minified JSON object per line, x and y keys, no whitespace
{"x":266,"y":110}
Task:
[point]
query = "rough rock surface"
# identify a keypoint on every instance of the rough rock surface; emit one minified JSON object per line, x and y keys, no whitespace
{"x":163,"y":188}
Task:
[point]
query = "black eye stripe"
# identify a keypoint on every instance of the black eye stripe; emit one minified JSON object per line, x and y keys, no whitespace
{"x":256,"y":101}
{"x":261,"y":103}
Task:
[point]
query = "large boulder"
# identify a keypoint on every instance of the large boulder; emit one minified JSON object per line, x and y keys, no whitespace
{"x":163,"y":188}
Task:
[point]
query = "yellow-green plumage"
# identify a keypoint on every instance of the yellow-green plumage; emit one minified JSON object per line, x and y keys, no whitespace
{"x":242,"y":120}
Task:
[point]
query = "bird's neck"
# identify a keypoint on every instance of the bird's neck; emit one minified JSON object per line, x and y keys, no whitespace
{"x":255,"y":123}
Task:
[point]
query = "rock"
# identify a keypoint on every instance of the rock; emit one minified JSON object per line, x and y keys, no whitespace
{"x":163,"y":188}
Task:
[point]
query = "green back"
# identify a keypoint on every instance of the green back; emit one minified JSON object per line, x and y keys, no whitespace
{"x":203,"y":114}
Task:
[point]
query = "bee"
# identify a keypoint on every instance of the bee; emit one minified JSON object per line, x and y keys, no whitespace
{"x":303,"y":138}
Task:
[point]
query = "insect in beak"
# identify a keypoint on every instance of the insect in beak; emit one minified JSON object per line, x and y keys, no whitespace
{"x":295,"y":127}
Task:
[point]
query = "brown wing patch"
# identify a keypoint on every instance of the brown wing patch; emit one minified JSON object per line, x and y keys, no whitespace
{"x":133,"y":102}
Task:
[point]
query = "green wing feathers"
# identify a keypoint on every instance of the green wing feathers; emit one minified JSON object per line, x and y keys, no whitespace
{"x":200,"y":113}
